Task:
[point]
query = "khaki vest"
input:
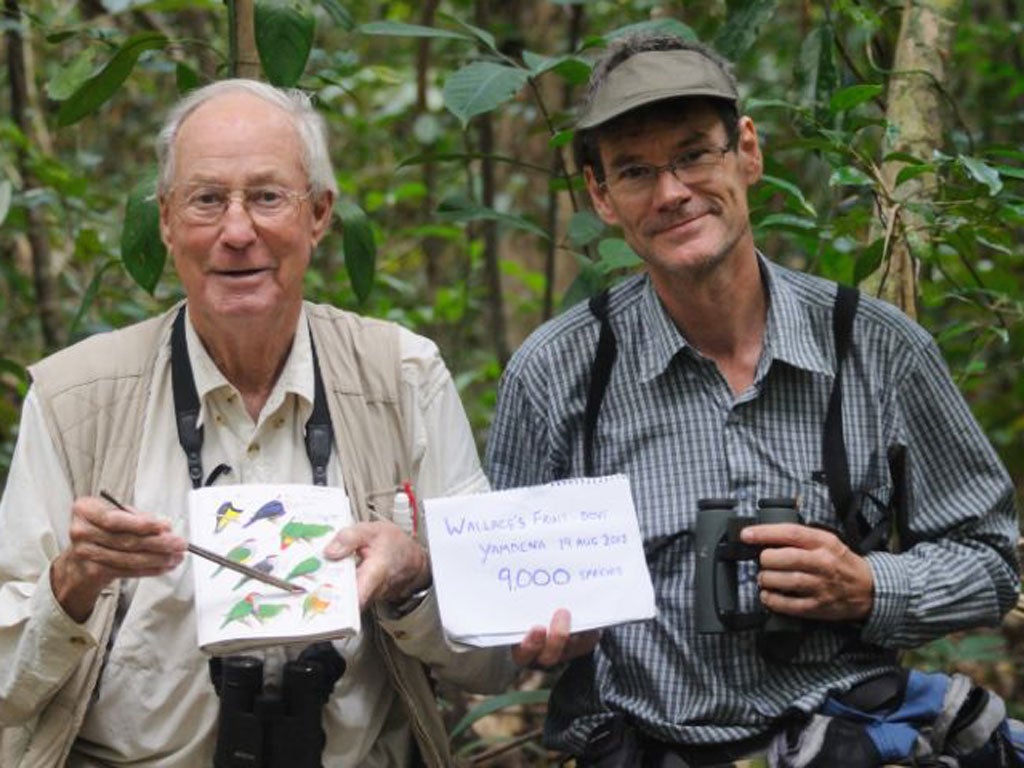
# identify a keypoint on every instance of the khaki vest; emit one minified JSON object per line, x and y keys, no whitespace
{"x":93,"y":397}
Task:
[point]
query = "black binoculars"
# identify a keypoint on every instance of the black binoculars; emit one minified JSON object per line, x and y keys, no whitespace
{"x":257,"y":729}
{"x":719,"y":553}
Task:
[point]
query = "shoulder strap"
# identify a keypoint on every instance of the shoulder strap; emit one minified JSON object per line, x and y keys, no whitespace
{"x":600,"y":375}
{"x":319,"y":433}
{"x":834,"y":458}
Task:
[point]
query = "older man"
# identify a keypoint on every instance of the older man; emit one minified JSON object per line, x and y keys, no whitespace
{"x":97,"y":630}
{"x":717,"y":380}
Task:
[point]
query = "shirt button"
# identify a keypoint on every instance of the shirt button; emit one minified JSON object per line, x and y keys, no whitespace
{"x":76,"y":640}
{"x":254,"y":448}
{"x":399,"y":634}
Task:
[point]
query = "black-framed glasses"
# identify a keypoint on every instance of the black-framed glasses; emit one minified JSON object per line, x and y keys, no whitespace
{"x":638,"y":180}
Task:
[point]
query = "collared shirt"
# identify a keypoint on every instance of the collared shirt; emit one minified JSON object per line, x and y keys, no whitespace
{"x":154,"y":705}
{"x":671,"y":423}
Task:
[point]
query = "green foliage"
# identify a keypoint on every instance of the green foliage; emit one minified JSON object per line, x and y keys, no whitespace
{"x":284,"y":39}
{"x":404,"y":102}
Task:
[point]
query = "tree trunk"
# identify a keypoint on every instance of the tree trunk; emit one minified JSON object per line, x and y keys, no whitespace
{"x":915,"y":116}
{"x":245,"y":59}
{"x":43,"y":278}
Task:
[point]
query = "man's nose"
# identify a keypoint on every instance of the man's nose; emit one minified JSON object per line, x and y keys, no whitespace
{"x":669,"y":189}
{"x":236,"y":223}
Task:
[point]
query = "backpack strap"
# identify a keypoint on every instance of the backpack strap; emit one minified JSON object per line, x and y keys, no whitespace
{"x":600,"y":375}
{"x":835,"y":462}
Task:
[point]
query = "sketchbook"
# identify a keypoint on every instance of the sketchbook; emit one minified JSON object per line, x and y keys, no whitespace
{"x":281,"y":530}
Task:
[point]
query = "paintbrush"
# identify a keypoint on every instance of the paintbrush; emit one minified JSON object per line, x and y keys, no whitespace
{"x":213,"y":557}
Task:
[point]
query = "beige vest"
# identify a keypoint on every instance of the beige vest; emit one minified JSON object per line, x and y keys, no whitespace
{"x":93,"y":396}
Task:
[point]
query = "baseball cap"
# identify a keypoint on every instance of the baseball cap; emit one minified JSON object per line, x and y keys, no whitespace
{"x":653,"y":76}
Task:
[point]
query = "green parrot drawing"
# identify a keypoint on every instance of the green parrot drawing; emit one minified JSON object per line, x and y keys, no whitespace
{"x":305,"y":568}
{"x":296,"y":531}
{"x":242,"y":610}
{"x":267,"y":611}
{"x":227,"y":513}
{"x":240,"y":553}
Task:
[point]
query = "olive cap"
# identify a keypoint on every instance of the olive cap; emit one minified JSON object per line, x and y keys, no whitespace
{"x":653,"y":76}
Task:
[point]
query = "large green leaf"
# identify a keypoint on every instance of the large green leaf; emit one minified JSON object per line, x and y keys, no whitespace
{"x":95,"y":91}
{"x":584,"y":227}
{"x":142,"y":251}
{"x":480,"y":87}
{"x":743,"y":27}
{"x":360,"y":247}
{"x":497,"y":703}
{"x":847,"y":98}
{"x":983,"y":173}
{"x":401,"y":29}
{"x":615,"y":254}
{"x":284,"y":38}
{"x":69,"y":77}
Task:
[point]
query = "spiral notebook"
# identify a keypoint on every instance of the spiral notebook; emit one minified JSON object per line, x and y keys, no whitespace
{"x":280,"y":530}
{"x":505,"y":561}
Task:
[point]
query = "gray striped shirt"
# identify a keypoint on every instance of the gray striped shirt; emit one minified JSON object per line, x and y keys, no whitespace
{"x":670,"y":422}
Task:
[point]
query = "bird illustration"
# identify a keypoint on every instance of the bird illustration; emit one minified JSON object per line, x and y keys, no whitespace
{"x":272,"y":510}
{"x":308,"y":566}
{"x":297,"y":531}
{"x":266,"y":565}
{"x":227,"y":513}
{"x":242,"y":610}
{"x":267,"y":611}
{"x":317,"y":601}
{"x":240,"y":553}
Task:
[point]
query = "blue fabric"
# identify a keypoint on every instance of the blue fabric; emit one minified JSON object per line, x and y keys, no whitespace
{"x":895,"y":732}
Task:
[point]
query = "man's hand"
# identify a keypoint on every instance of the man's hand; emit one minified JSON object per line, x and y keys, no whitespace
{"x":392,"y":565}
{"x":545,"y":648}
{"x":108,"y":544}
{"x":810,"y":573}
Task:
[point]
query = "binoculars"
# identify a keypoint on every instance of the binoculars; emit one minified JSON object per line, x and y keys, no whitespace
{"x":719,"y":554}
{"x":257,"y":729}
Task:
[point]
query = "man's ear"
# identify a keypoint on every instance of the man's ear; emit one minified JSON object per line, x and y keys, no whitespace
{"x":323,"y":208}
{"x":599,"y":197}
{"x":748,"y":151}
{"x":165,"y":218}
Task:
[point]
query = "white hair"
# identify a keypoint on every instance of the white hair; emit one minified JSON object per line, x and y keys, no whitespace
{"x":298,"y":105}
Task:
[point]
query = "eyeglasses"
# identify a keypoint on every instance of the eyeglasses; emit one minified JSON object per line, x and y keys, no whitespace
{"x":638,"y":180}
{"x":266,"y":204}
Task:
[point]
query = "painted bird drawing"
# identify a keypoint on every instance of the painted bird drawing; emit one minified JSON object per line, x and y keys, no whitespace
{"x":227,"y":513}
{"x":242,"y":610}
{"x":271,"y":511}
{"x":297,"y":531}
{"x":240,"y":553}
{"x":266,"y":565}
{"x":306,"y":568}
{"x":317,"y":601}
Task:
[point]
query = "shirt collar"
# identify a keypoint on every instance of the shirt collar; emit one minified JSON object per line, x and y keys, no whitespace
{"x":788,"y":334}
{"x":296,"y":376}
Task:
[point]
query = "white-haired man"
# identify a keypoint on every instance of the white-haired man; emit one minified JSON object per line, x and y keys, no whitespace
{"x":97,"y":630}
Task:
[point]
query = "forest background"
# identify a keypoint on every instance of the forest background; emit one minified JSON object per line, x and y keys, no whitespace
{"x":894,"y":155}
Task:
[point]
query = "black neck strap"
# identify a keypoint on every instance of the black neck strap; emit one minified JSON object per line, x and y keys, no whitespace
{"x":600,"y":375}
{"x":319,"y":434}
{"x":833,"y":449}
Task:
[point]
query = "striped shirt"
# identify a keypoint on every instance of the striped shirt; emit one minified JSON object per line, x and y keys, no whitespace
{"x":671,"y":423}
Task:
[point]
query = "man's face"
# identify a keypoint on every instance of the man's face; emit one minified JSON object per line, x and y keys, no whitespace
{"x":680,"y":228}
{"x":241,"y":266}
